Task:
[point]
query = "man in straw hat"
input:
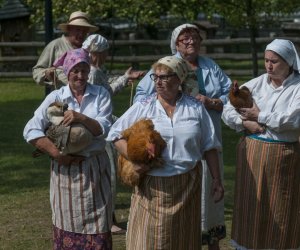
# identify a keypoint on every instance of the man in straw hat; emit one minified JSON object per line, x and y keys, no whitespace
{"x":75,"y":32}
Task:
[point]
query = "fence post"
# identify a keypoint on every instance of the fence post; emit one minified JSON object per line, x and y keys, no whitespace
{"x":48,"y":32}
{"x":134,"y":51}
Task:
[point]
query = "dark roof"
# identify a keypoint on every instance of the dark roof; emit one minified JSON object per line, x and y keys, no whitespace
{"x":13,"y":9}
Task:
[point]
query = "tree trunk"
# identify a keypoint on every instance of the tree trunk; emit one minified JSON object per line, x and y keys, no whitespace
{"x":253,"y":33}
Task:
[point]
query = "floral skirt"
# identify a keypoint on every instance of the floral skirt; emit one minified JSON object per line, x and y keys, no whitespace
{"x":64,"y":240}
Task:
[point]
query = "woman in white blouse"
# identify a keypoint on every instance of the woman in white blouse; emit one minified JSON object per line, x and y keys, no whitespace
{"x":267,"y":201}
{"x":80,"y":190}
{"x":165,"y":207}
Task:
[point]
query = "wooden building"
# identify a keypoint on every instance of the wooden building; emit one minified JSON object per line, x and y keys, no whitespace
{"x":14,"y":24}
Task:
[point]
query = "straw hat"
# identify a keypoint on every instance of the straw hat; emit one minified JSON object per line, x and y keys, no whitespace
{"x":78,"y":18}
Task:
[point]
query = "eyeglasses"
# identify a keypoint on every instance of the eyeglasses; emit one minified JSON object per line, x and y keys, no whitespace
{"x":163,"y":78}
{"x":188,"y":39}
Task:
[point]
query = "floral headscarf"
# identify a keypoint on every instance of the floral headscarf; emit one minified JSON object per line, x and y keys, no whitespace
{"x":71,"y":58}
{"x":178,"y":66}
{"x":183,"y":71}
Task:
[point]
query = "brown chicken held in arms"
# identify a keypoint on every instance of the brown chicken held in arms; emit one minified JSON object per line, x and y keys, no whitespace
{"x":144,"y":147}
{"x":240,"y":97}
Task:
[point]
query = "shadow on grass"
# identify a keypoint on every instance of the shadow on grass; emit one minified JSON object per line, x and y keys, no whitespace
{"x":19,"y":171}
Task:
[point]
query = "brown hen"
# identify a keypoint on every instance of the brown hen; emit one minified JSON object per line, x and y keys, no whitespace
{"x":240,"y":97}
{"x":144,"y":147}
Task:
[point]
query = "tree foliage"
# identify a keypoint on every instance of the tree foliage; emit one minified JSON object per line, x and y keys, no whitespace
{"x":238,"y":13}
{"x":139,"y":11}
{"x":252,"y":13}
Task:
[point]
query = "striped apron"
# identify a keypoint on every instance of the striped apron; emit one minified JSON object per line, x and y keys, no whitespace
{"x":80,"y":196}
{"x":165,"y":213}
{"x":266,"y":211}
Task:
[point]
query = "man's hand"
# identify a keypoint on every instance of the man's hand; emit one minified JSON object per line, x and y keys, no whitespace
{"x":50,"y":74}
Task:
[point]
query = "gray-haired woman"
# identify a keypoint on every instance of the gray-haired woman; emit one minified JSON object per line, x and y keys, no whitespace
{"x":211,"y":88}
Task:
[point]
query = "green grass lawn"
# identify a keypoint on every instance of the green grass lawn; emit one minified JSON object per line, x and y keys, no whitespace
{"x":25,"y":218}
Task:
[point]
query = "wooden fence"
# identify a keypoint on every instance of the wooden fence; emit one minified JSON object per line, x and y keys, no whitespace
{"x":135,"y":52}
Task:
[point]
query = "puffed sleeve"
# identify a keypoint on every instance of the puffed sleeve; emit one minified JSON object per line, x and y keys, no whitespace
{"x":145,"y":87}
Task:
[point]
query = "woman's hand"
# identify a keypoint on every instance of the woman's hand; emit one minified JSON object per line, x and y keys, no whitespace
{"x":210,"y":103}
{"x":217,"y":190}
{"x":141,"y":169}
{"x":71,"y":116}
{"x":134,"y":74}
{"x":253,"y":127}
{"x":204,"y":99}
{"x":68,"y":160}
{"x":250,"y":113}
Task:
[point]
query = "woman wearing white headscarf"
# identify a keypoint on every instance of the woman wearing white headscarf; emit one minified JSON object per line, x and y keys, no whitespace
{"x":267,"y":201}
{"x":165,"y":207}
{"x":98,"y":46}
{"x":211,"y":88}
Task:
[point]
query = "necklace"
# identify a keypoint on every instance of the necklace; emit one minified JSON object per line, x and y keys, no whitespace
{"x":169,"y":108}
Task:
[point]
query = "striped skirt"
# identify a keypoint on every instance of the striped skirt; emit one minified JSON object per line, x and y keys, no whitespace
{"x":266,"y":211}
{"x":80,"y":196}
{"x":165,"y":213}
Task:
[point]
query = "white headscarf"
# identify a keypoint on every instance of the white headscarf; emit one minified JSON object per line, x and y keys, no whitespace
{"x":95,"y":43}
{"x":176,"y":33}
{"x":287,"y":50}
